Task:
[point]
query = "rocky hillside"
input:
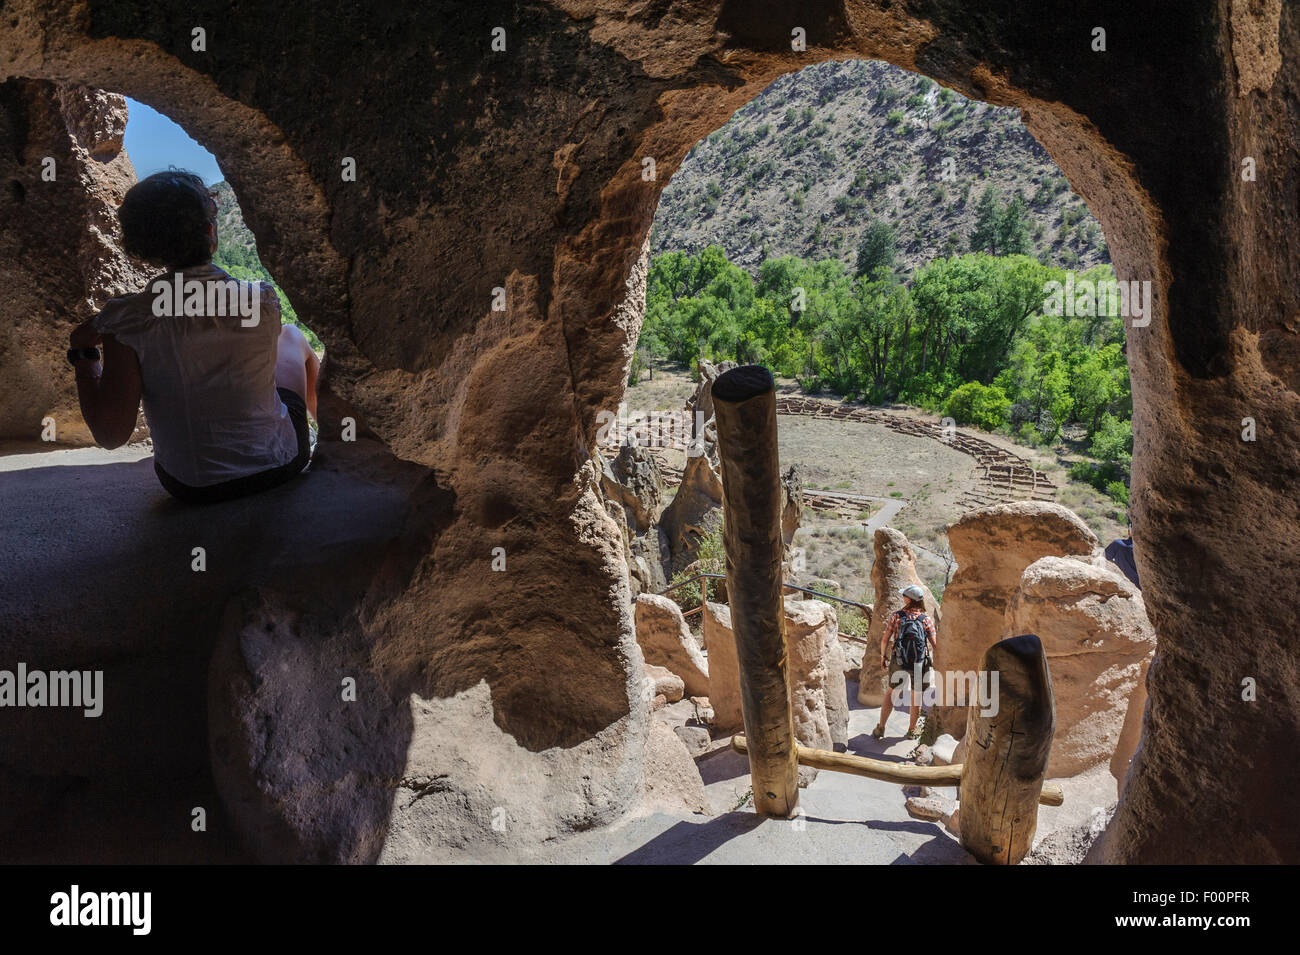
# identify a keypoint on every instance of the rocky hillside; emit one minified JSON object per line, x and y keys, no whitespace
{"x":808,"y":166}
{"x":234,"y":239}
{"x":237,"y":253}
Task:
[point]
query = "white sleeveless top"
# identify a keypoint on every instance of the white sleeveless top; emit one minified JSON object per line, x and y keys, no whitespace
{"x":208,"y":376}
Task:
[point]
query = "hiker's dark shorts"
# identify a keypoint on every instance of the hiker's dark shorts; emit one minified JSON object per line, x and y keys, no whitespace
{"x":915,"y":678}
{"x":252,"y":483}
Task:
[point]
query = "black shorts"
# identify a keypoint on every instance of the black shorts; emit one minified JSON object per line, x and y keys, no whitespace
{"x":252,"y":483}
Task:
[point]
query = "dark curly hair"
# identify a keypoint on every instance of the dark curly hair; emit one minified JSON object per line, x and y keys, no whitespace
{"x":165,"y":219}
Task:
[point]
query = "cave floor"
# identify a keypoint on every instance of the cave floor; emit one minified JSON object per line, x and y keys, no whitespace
{"x":97,"y":572}
{"x":849,"y":820}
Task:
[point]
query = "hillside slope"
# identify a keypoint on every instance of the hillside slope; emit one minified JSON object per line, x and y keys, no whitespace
{"x":807,"y":166}
{"x":237,"y":254}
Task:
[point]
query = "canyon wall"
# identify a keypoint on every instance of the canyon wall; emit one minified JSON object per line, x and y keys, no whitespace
{"x":63,"y":173}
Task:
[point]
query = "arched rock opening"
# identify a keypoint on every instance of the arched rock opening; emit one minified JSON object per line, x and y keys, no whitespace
{"x":521,"y":169}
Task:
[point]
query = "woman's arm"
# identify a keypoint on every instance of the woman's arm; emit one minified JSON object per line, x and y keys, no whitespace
{"x":313,"y":373}
{"x":887,"y":638}
{"x":108,"y":390}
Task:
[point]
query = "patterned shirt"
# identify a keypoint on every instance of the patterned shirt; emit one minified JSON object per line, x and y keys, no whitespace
{"x":891,"y":629}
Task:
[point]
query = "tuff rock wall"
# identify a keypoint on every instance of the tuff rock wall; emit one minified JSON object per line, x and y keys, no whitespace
{"x":63,"y":173}
{"x":522,"y":169}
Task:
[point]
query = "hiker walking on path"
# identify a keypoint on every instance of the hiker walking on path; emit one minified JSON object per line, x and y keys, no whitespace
{"x":906,"y":657}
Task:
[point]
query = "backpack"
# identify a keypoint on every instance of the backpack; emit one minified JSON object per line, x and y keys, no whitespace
{"x":909,"y":646}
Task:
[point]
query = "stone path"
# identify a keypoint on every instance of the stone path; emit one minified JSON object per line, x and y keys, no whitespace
{"x":849,"y":820}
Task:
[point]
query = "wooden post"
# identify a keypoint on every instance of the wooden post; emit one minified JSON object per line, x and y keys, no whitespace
{"x":744,"y":402}
{"x":1006,"y":754}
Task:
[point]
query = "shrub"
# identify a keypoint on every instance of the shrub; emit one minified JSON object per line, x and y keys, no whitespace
{"x":712,"y":560}
{"x":984,"y":406}
{"x":1030,"y":435}
{"x":1112,"y":441}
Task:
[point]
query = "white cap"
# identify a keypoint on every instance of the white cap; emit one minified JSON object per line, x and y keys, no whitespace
{"x":913,"y":591}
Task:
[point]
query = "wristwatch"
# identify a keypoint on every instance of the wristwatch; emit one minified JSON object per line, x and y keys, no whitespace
{"x":80,"y":354}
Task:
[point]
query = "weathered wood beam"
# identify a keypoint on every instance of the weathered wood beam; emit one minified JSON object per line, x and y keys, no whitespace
{"x":887,"y":772}
{"x":744,"y":401}
{"x":1006,"y":754}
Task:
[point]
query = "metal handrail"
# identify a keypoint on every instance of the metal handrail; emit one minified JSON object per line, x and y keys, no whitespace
{"x":816,"y":593}
{"x":786,"y":584}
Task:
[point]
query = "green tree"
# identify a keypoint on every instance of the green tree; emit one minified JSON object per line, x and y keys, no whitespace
{"x":877,"y":249}
{"x":1013,"y":228}
{"x":984,"y":237}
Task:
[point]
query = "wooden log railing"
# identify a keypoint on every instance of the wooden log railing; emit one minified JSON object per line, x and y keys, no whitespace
{"x":1002,"y":779}
{"x":904,"y":774}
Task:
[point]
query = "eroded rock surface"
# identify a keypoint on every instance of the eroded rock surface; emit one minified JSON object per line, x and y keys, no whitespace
{"x":992,"y":547}
{"x":530,"y":179}
{"x":64,"y":173}
{"x":667,"y":641}
{"x":815,"y":675}
{"x":1097,"y":639}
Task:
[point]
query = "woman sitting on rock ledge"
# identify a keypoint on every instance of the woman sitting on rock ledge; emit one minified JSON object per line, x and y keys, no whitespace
{"x":226,"y":387}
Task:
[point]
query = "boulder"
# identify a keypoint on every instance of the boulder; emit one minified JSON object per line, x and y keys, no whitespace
{"x":894,"y":569}
{"x":694,"y":512}
{"x":944,"y":749}
{"x":992,"y":547}
{"x":837,"y":694}
{"x":672,"y":780}
{"x":696,"y":509}
{"x":696,"y":738}
{"x":632,"y":487}
{"x":664,"y":683}
{"x":791,"y":510}
{"x":814,"y":674}
{"x":724,"y":670}
{"x":667,"y":641}
{"x":1095,"y":632}
{"x":700,"y":404}
{"x":633,"y":480}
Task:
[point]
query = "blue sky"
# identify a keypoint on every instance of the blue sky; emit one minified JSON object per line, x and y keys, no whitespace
{"x":154,"y":142}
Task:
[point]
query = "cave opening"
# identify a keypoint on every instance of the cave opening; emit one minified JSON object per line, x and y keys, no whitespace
{"x":160,"y":143}
{"x":948,"y":335}
{"x":882,"y":240}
